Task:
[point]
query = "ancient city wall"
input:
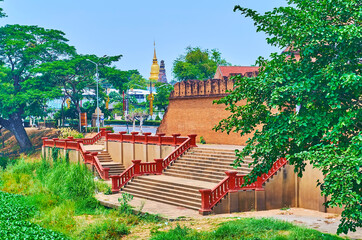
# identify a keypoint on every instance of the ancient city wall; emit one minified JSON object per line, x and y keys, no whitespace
{"x":191,"y":110}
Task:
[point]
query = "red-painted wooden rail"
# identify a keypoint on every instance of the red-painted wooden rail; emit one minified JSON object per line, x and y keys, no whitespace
{"x":138,"y":168}
{"x":232,"y":183}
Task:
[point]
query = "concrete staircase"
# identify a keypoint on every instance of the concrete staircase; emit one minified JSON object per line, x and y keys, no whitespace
{"x":105,"y":158}
{"x":179,"y":185}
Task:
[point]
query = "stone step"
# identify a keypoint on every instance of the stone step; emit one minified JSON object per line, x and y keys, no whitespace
{"x":168,"y":182}
{"x":184,"y":195}
{"x":187,"y":176}
{"x":208,"y":164}
{"x":165,"y":199}
{"x":169,"y":187}
{"x":195,"y":170}
{"x":210,"y":150}
{"x":180,"y":164}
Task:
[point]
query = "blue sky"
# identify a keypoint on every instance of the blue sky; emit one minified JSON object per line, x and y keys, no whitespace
{"x":112,"y":27}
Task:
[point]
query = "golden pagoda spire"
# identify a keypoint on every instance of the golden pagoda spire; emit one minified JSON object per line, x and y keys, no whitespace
{"x":155,"y":68}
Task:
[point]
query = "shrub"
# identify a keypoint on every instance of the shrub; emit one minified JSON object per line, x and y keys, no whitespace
{"x":68,"y":132}
{"x":202,"y":140}
{"x":107,"y":229}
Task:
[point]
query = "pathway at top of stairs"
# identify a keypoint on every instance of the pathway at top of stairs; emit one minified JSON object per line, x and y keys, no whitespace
{"x":199,"y":168}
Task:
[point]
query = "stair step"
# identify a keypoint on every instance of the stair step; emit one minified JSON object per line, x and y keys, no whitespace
{"x":206,"y":179}
{"x":162,"y":192}
{"x":158,"y":181}
{"x":167,"y":200}
{"x":204,"y":167}
{"x":169,"y":185}
{"x":197,"y":172}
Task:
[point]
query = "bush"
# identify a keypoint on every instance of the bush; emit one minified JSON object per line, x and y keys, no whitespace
{"x":107,"y":229}
{"x":68,"y":132}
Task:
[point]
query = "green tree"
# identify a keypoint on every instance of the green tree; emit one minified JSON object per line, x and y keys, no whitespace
{"x":163,"y":93}
{"x":325,"y":83}
{"x":197,"y":64}
{"x":137,"y":81}
{"x":119,"y":79}
{"x":22,"y":91}
{"x":76,"y":75}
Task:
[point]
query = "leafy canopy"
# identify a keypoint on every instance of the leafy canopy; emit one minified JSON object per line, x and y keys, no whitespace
{"x":197,"y":64}
{"x":23,"y":48}
{"x":325,"y":83}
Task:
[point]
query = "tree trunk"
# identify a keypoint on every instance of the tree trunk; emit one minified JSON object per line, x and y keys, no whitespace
{"x":15,"y":125}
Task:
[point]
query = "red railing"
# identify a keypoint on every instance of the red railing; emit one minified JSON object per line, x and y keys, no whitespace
{"x":77,"y":144}
{"x":233,"y":183}
{"x":93,"y":140}
{"x":138,"y":168}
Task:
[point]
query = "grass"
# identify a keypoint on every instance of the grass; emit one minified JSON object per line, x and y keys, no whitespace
{"x":248,"y":228}
{"x":58,"y":197}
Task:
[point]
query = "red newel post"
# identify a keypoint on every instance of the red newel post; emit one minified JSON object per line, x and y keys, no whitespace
{"x":134,"y":136}
{"x":137,"y":164}
{"x":115,"y":183}
{"x":146,"y":136}
{"x":259,"y":184}
{"x":159,"y":167}
{"x":232,"y":180}
{"x":121,"y":135}
{"x":44,"y":138}
{"x":93,"y":154}
{"x":103,"y":132}
{"x":88,"y":157}
{"x":175,"y":136}
{"x":160,"y":135}
{"x":205,"y":201}
{"x":79,"y":141}
{"x":106,"y":174}
{"x":193,"y":140}
{"x":55,"y":139}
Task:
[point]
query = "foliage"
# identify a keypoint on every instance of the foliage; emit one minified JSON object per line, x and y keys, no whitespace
{"x":202,"y":140}
{"x":124,"y":206}
{"x":163,"y":93}
{"x":319,"y":72}
{"x":342,"y":169}
{"x":106,"y":229}
{"x":197,"y":64}
{"x":23,"y":92}
{"x":68,"y":132}
{"x":119,"y":79}
{"x":14,"y":210}
{"x":137,"y":81}
{"x":248,"y":228}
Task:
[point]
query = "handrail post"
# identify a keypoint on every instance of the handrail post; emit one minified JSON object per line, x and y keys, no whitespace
{"x":175,"y":135}
{"x":159,"y":167}
{"x":103,"y":132}
{"x":160,"y":135}
{"x":193,"y":140}
{"x":232,"y":180}
{"x":121,"y":134}
{"x":115,"y":183}
{"x":134,"y":136}
{"x":44,"y":138}
{"x":137,"y":170}
{"x":106,"y":173}
{"x":205,"y":201}
{"x":146,"y":137}
{"x":259,"y":184}
{"x":93,"y":154}
{"x":79,"y":141}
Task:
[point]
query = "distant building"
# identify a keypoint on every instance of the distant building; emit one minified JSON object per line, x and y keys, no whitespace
{"x":162,"y":75}
{"x":227,"y":71}
{"x":158,"y":73}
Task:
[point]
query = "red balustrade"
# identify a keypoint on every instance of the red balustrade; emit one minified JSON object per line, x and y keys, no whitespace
{"x":138,"y":168}
{"x":233,"y":183}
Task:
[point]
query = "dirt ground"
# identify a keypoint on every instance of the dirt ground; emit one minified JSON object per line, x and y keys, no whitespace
{"x":11,"y":147}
